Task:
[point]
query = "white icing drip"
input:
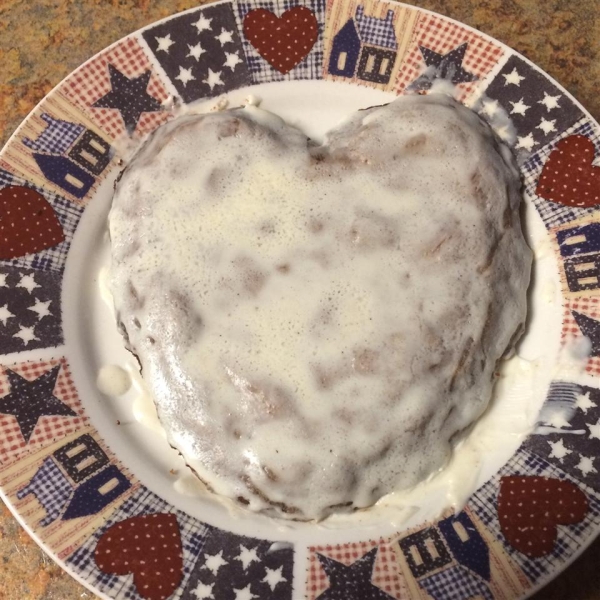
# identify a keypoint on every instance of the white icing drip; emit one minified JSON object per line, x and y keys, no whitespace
{"x":113,"y":380}
{"x":144,"y":408}
{"x":277,"y":546}
{"x":252,"y":100}
{"x":547,"y":430}
{"x":189,"y":485}
{"x":497,"y":116}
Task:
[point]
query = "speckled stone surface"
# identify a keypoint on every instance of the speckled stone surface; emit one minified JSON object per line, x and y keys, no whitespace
{"x":42,"y":41}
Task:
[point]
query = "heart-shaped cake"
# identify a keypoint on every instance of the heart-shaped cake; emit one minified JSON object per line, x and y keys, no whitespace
{"x":317,"y":323}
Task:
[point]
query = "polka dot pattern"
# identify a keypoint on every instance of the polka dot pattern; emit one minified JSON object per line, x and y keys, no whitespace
{"x":530,"y":508}
{"x":568,"y":176}
{"x":149,"y":546}
{"x":282,"y":41}
{"x":28,"y":223}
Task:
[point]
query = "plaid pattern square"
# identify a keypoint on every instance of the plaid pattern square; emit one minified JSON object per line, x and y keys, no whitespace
{"x":49,"y":428}
{"x":69,"y":214}
{"x":51,"y":488}
{"x":193,"y":535}
{"x":91,"y":82}
{"x":57,"y":137}
{"x":455,"y":583}
{"x":379,"y":32}
{"x":442,"y":36}
{"x":386,"y":575}
{"x":552,"y":213}
{"x":310,"y":67}
{"x":589,"y":307}
{"x":484,"y":503}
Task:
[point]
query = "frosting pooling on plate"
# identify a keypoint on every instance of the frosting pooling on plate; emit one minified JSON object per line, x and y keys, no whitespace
{"x":317,"y":323}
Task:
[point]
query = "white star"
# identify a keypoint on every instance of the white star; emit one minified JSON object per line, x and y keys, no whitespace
{"x":247,"y":556}
{"x":586,"y":465}
{"x":204,"y":592}
{"x":556,"y":419}
{"x":527,"y":142}
{"x":185,"y":75}
{"x":273,"y":577}
{"x":28,"y":282}
{"x":213,"y":79}
{"x":2,"y":280}
{"x":233,"y":59}
{"x":225,"y":37}
{"x":214,"y":562}
{"x":41,"y":308}
{"x":202,"y":24}
{"x":550,"y":102}
{"x":519,"y":108}
{"x":5,"y":314}
{"x":583,"y":402}
{"x":164,"y":43}
{"x":547,"y":126}
{"x":245,"y":594}
{"x":26,"y":334}
{"x":558,"y":450}
{"x":196,"y":51}
{"x":513,"y":77}
{"x":594,"y":430}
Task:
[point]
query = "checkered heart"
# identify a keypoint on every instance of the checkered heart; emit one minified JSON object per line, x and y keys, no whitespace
{"x":530,"y":508}
{"x":282,"y":41}
{"x":149,"y":546}
{"x":569,"y":177}
{"x":28,"y":223}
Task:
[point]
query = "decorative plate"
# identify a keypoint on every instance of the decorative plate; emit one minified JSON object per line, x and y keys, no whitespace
{"x":107,"y":497}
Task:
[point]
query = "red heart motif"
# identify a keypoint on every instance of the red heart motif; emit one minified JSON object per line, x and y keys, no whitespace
{"x":28,"y":223}
{"x":568,"y":177}
{"x":282,"y":41}
{"x":149,"y":546}
{"x":530,"y":508}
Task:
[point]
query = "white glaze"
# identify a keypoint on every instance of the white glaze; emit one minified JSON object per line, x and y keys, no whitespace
{"x":189,"y":485}
{"x":113,"y":380}
{"x":257,"y":368}
{"x":144,"y":408}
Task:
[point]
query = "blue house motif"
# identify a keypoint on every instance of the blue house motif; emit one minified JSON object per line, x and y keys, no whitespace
{"x":70,"y":155}
{"x":466,"y":544}
{"x":365,"y":47}
{"x":86,"y":488}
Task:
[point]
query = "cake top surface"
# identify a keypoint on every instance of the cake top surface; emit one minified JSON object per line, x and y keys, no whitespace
{"x":316,"y":323}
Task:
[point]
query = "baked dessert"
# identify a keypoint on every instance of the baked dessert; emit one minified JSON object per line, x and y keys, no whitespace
{"x":318,"y":323}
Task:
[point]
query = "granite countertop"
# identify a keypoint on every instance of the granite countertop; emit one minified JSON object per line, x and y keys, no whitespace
{"x":42,"y":41}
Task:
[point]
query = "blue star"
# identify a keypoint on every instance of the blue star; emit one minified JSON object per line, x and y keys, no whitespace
{"x":443,"y":66}
{"x":591,"y":329}
{"x":30,"y":400}
{"x":129,"y":97}
{"x":351,"y":582}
